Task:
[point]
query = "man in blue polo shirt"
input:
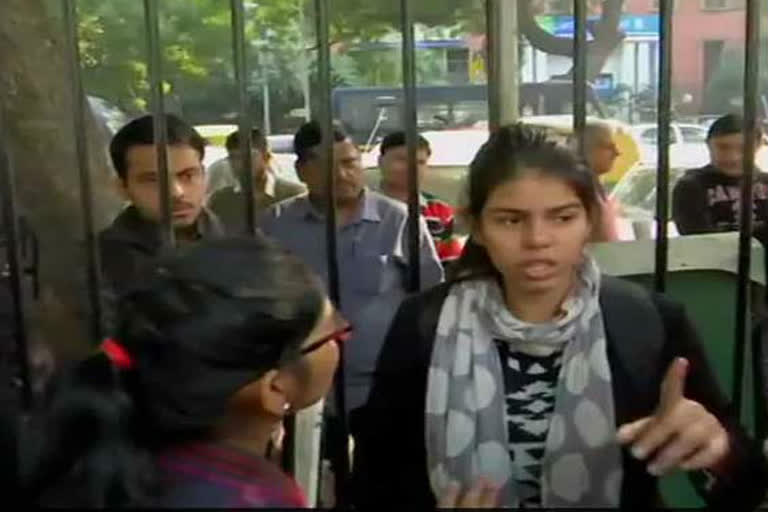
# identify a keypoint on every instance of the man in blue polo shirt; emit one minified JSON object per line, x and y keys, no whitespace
{"x":372,"y":248}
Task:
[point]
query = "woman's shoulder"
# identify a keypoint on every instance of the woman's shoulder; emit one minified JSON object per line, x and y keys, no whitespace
{"x":632,"y":295}
{"x":433,"y":297}
{"x":412,"y":331}
{"x":643,"y":328}
{"x":218,"y":476}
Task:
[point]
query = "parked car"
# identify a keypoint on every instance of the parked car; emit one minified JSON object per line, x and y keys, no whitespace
{"x":635,"y":195}
{"x":688,"y":144}
{"x":453,"y":151}
{"x":284,"y":159}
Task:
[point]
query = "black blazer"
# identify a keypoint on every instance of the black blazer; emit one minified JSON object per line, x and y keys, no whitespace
{"x":645,"y":333}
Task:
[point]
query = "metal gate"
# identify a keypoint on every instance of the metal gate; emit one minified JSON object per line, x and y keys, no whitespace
{"x":502,"y":109}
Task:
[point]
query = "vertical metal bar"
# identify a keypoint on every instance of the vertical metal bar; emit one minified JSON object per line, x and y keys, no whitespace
{"x":10,"y":221}
{"x":326,"y":148}
{"x":267,"y":95}
{"x":503,"y":72}
{"x":759,"y":404}
{"x":751,"y":68}
{"x":81,"y":146}
{"x":244,"y":121}
{"x":160,"y":128}
{"x":493,"y":52}
{"x":411,"y":135}
{"x":580,"y":71}
{"x":664,"y":116}
{"x":340,"y":446}
{"x":636,"y":84}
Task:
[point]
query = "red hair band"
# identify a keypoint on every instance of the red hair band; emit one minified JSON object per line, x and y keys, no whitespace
{"x":117,"y":354}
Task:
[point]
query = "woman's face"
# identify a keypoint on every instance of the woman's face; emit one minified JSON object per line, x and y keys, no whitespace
{"x":300,"y":383}
{"x":534,"y":228}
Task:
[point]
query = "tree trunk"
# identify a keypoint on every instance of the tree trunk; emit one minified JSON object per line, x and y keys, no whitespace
{"x":607,"y":36}
{"x":35,"y":95}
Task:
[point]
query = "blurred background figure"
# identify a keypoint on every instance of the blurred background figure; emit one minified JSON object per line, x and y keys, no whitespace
{"x":228,"y":201}
{"x":440,"y":216}
{"x":600,"y":153}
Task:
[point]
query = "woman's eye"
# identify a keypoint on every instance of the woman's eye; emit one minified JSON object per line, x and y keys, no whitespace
{"x":508,"y":221}
{"x":565,"y":218}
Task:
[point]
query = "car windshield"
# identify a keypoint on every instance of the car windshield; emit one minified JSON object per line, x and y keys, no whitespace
{"x":650,"y":136}
{"x":282,"y":144}
{"x":694,"y":134}
{"x":636,"y":192}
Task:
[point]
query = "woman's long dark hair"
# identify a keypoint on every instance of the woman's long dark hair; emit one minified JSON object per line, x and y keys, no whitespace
{"x":510,"y":152}
{"x":208,"y":320}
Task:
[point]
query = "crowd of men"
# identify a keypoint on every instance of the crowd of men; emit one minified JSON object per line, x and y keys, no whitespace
{"x":373,"y":229}
{"x":372,"y":245}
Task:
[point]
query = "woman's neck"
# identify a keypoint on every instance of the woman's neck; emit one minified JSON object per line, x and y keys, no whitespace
{"x":538,"y":308}
{"x":251,"y":435}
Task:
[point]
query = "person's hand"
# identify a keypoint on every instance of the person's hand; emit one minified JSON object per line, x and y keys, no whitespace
{"x":482,"y":494}
{"x":681,"y":433}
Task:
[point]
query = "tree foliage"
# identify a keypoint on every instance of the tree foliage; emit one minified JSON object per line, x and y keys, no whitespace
{"x":197,"y":48}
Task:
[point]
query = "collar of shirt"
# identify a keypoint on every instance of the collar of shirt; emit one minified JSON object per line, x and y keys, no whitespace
{"x":132,"y":225}
{"x":368,"y":212}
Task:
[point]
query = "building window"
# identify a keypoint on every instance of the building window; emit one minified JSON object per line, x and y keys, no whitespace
{"x":457,"y":63}
{"x":713,"y":52}
{"x":721,"y":5}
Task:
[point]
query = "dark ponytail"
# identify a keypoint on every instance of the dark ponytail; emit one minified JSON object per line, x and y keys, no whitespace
{"x":93,"y":456}
{"x":512,"y":151}
{"x":204,"y":322}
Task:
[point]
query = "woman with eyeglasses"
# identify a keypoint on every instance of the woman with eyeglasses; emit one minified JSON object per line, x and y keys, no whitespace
{"x":531,"y":380}
{"x":215,"y":347}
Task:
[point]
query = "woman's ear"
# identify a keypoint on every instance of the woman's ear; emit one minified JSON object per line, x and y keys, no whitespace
{"x":269,"y":394}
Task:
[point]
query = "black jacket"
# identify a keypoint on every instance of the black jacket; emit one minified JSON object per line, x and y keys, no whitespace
{"x":644,"y":335}
{"x":707,"y":201}
{"x":132,"y":241}
{"x":129,"y":245}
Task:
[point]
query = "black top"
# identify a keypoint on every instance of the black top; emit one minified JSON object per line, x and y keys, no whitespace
{"x":530,"y":384}
{"x":645,"y":333}
{"x":129,"y":245}
{"x":132,"y":241}
{"x":706,"y":200}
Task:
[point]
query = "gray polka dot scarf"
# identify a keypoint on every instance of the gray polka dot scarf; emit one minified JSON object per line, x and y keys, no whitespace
{"x":466,"y":433}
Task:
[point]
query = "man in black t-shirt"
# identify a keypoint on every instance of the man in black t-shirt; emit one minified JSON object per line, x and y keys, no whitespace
{"x":708,"y":200}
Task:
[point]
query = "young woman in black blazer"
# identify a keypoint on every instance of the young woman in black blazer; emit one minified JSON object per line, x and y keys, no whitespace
{"x":531,"y":380}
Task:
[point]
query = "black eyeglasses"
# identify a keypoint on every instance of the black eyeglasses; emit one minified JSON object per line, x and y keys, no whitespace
{"x":339,"y":336}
